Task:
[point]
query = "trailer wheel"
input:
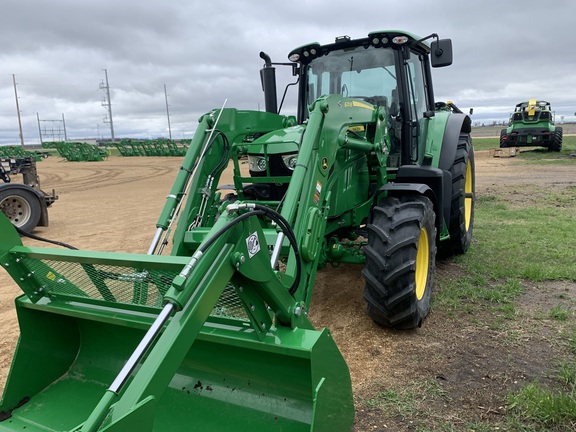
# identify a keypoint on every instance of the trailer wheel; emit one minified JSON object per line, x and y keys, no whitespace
{"x":462,"y":200}
{"x":556,"y":144}
{"x":21,"y":207}
{"x":400,"y":261}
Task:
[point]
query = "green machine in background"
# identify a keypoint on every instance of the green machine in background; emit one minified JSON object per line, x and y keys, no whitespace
{"x":532,"y":124}
{"x":215,"y":336}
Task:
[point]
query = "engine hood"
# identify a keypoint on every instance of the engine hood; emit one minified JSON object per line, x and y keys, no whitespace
{"x":280,"y":141}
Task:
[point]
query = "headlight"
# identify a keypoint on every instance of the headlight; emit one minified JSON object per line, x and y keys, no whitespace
{"x":257,"y":163}
{"x":290,"y":161}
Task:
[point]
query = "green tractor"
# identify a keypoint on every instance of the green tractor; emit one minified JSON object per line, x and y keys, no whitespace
{"x":532,"y":124}
{"x":215,"y":336}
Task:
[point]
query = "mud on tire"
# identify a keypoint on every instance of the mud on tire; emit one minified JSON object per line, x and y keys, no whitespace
{"x":400,"y":261}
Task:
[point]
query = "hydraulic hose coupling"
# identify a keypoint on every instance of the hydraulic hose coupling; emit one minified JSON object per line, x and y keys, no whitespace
{"x":234,"y":208}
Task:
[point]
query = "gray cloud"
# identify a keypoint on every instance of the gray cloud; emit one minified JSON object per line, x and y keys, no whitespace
{"x":504,"y":52}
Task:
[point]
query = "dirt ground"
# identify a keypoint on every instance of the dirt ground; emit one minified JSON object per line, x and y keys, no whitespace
{"x":113,"y":206}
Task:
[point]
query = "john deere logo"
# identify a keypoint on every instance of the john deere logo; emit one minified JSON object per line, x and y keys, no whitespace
{"x":253,"y":244}
{"x":324,"y":163}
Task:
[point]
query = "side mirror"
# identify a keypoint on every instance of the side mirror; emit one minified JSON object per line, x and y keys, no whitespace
{"x":441,"y":52}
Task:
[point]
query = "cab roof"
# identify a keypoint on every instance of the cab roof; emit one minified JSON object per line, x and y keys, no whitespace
{"x":378,"y":39}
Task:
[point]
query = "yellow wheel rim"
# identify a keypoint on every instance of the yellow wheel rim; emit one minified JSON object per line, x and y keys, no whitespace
{"x":468,"y":196}
{"x":422,"y":264}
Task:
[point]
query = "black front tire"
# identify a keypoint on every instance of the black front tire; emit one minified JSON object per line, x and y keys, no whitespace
{"x":503,"y":134}
{"x":462,"y":201}
{"x":400,"y":261}
{"x":21,"y":207}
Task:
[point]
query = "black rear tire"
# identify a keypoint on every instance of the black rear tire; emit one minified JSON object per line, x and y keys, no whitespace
{"x":400,"y":261}
{"x":557,"y":141}
{"x":21,"y":207}
{"x":462,"y":201}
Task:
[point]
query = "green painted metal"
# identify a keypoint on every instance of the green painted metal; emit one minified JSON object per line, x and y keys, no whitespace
{"x":19,"y":152}
{"x":284,"y":376}
{"x":215,"y":337}
{"x":80,"y":152}
{"x":158,"y":147}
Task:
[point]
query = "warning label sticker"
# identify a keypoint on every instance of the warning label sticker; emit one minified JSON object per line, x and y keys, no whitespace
{"x":317,"y":192}
{"x":253,"y":244}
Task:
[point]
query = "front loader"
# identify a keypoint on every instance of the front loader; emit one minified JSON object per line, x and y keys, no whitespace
{"x":215,"y":336}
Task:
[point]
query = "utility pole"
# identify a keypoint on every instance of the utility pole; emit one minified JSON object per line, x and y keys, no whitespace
{"x":18,"y":111}
{"x":168,"y":113}
{"x":64,"y":124}
{"x":107,"y":104}
{"x":39,"y":128}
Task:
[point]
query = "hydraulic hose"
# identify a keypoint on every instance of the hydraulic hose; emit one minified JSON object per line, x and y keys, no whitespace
{"x":42,"y":239}
{"x":281,"y":222}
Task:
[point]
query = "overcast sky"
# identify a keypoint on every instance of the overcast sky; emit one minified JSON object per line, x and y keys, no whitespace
{"x":204,"y":52}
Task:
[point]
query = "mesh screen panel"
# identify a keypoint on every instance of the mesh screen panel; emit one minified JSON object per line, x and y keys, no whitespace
{"x":119,"y":284}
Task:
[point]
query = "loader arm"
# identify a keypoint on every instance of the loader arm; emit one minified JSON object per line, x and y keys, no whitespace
{"x":190,"y":355}
{"x":308,"y":200}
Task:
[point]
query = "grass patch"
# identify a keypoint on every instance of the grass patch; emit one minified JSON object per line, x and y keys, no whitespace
{"x":570,"y":339}
{"x":485,"y":143}
{"x":559,"y":313}
{"x":409,"y":400}
{"x":537,"y":407}
{"x":530,"y":242}
{"x":472,"y":295}
{"x":521,"y":235}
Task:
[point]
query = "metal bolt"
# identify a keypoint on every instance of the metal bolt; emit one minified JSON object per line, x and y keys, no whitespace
{"x":252,"y":307}
{"x":263,"y":326}
{"x":297,"y":310}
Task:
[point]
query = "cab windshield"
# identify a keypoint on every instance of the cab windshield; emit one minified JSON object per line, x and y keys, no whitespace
{"x":359,"y":72}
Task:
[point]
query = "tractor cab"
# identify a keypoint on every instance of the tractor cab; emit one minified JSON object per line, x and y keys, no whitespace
{"x":386,"y":69}
{"x":389,"y":71}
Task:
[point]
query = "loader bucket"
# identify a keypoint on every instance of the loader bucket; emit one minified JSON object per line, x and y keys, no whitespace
{"x":84,"y":313}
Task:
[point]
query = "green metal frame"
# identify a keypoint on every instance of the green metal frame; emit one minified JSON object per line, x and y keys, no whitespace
{"x":80,"y":152}
{"x":215,"y":336}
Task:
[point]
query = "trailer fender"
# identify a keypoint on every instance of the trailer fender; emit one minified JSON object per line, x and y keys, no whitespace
{"x":43,"y":221}
{"x":456,"y":124}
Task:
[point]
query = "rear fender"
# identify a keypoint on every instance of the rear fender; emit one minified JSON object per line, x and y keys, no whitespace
{"x":456,"y":124}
